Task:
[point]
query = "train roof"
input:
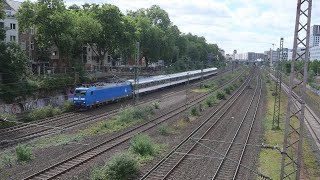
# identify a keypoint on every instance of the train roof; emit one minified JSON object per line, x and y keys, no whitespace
{"x":101,"y":86}
{"x":168,"y":76}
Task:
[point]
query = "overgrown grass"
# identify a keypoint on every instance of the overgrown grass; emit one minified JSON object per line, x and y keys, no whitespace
{"x":125,"y":165}
{"x":57,"y":140}
{"x":125,"y":119}
{"x":156,"y":105}
{"x":42,"y":113}
{"x":7,"y":124}
{"x":270,"y":160}
{"x":142,"y":145}
{"x":164,"y":129}
{"x":7,"y":160}
{"x":68,"y":106}
{"x":220,"y":95}
{"x":194,"y":111}
{"x":122,"y":166}
{"x":24,"y":153}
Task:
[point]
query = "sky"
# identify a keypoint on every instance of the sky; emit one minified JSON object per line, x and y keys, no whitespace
{"x":244,"y":25}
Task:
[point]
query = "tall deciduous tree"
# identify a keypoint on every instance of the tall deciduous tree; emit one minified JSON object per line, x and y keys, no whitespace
{"x":2,"y":15}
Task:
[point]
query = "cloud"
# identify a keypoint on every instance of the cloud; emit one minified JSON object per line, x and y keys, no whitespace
{"x":246,"y":25}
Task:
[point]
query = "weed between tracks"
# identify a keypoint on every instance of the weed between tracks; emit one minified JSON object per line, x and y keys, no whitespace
{"x":270,"y":160}
{"x":125,"y":165}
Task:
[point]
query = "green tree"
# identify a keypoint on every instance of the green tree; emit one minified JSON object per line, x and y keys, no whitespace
{"x":2,"y":15}
{"x":111,"y":20}
{"x":13,"y":65}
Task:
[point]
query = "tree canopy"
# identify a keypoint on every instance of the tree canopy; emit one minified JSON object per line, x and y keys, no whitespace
{"x":106,"y":28}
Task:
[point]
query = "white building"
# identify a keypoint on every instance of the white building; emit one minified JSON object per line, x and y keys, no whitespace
{"x":314,"y":35}
{"x":314,"y":53}
{"x":10,"y":23}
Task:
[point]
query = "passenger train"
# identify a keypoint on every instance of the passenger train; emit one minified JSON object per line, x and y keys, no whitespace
{"x":88,"y":96}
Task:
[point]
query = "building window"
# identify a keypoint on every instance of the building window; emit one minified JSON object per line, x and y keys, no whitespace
{"x":12,"y":38}
{"x":32,"y":31}
{"x":12,"y":26}
{"x":89,"y":49}
{"x":31,"y":45}
{"x":1,"y":25}
{"x":54,"y":53}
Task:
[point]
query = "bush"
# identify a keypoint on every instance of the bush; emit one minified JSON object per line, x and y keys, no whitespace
{"x":6,"y":124}
{"x":135,"y":114}
{"x":98,"y":174}
{"x":23,"y":152}
{"x":122,"y":167}
{"x":142,"y":145}
{"x":42,"y":113}
{"x":164,"y":129}
{"x":227,"y":90}
{"x":220,"y":95}
{"x":68,"y":106}
{"x":156,"y":105}
{"x":194,"y":111}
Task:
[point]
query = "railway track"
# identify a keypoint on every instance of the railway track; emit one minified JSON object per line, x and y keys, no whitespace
{"x":311,"y":120}
{"x":85,"y":156}
{"x":14,"y":135}
{"x":176,"y":157}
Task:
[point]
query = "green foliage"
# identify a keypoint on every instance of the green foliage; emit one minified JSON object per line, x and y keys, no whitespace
{"x":156,"y":105}
{"x":6,"y":124}
{"x":194,"y":111}
{"x":24,"y":153}
{"x":210,"y":101}
{"x":13,"y":67}
{"x":67,"y":106}
{"x":228,"y":89}
{"x":142,"y":144}
{"x":220,"y":95}
{"x":164,"y":129}
{"x":98,"y":174}
{"x":42,"y":113}
{"x":135,"y":114}
{"x":122,"y":166}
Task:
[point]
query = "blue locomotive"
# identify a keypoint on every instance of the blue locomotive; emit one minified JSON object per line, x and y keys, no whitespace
{"x":91,"y":95}
{"x":88,"y":96}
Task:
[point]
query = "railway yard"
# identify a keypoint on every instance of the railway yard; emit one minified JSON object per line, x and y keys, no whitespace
{"x":211,"y":128}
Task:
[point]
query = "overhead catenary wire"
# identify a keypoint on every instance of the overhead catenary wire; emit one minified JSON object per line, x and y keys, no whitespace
{"x":225,"y":157}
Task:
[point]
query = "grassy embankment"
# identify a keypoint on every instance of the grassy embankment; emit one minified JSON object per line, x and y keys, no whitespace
{"x":270,"y":160}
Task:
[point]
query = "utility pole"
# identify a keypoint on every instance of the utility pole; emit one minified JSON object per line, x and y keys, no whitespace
{"x":187,"y":103}
{"x":277,"y":91}
{"x":136,"y":76}
{"x":292,"y":146}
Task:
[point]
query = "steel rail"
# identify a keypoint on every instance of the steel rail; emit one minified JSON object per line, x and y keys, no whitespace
{"x":229,"y":102}
{"x":236,"y":134}
{"x":82,"y":157}
{"x":74,"y":122}
{"x":248,"y":136}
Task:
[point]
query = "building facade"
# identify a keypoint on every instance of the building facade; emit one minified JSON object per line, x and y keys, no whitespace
{"x":314,"y":35}
{"x":10,"y":23}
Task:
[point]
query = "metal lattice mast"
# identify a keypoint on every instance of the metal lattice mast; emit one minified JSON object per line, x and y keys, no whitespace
{"x":292,"y":146}
{"x":277,"y":90}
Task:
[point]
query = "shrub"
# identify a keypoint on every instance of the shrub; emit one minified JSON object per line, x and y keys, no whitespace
{"x":23,"y":152}
{"x":68,"y":106}
{"x":156,"y":105}
{"x":122,"y":167}
{"x":194,"y":111}
{"x":227,"y":90}
{"x":6,"y":124}
{"x":135,"y":114}
{"x":220,"y":95}
{"x":164,"y":129}
{"x":142,"y":145}
{"x":42,"y":113}
{"x":98,"y":174}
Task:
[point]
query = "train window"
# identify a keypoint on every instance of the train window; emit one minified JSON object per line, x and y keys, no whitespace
{"x":83,"y":93}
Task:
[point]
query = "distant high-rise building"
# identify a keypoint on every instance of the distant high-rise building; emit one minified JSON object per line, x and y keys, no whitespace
{"x":314,"y":35}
